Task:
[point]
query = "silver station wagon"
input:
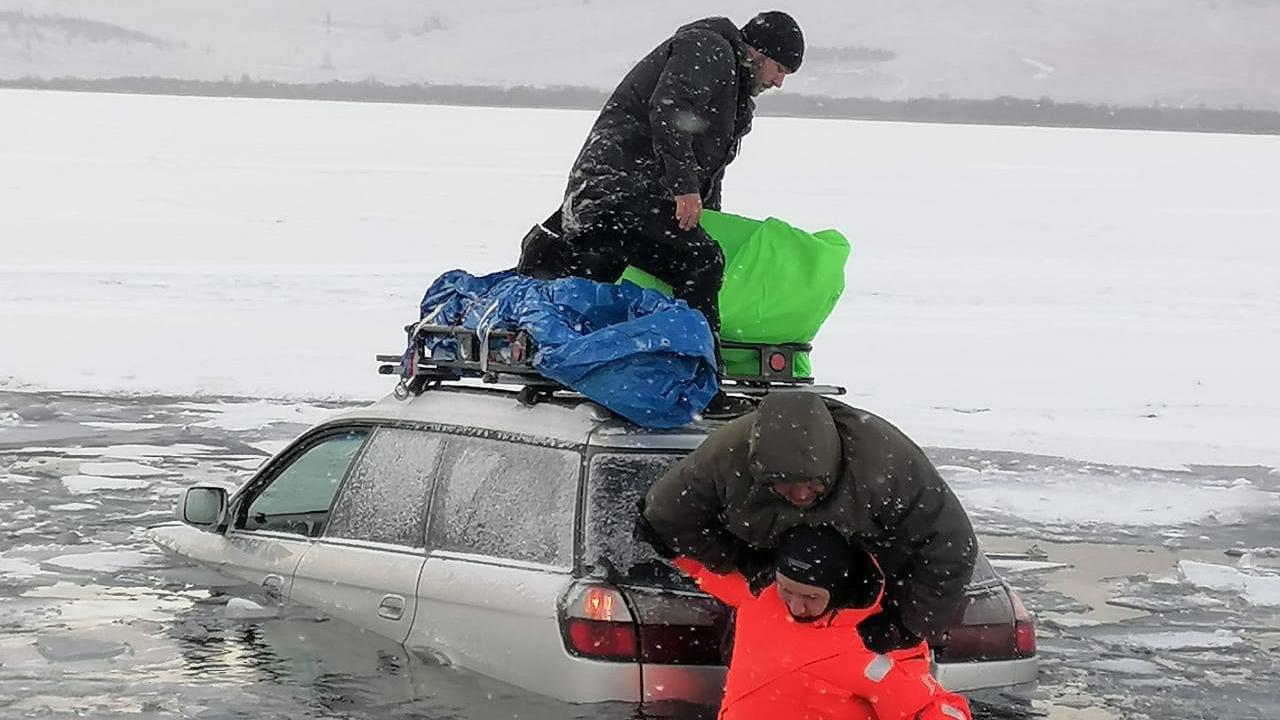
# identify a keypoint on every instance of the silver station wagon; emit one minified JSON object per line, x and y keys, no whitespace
{"x":496,"y":535}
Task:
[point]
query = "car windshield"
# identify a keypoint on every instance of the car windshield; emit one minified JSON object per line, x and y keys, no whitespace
{"x":616,"y":482}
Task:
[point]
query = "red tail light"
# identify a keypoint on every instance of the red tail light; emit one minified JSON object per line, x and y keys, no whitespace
{"x":601,"y":641}
{"x":777,"y":362}
{"x":1026,"y":627}
{"x":596,"y":624}
{"x":995,"y":626}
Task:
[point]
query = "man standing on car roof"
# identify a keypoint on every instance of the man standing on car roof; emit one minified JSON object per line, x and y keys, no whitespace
{"x":656,"y":157}
{"x":804,"y":459}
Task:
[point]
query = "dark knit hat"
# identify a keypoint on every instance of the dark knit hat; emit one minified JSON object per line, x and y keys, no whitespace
{"x":777,"y":35}
{"x":820,"y":556}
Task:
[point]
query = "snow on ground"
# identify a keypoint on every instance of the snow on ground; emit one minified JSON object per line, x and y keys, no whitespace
{"x":1094,"y":294}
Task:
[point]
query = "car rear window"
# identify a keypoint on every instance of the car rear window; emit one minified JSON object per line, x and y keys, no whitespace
{"x":615,"y":484}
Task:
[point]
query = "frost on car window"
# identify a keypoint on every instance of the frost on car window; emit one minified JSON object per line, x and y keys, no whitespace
{"x":616,"y":482}
{"x":385,"y":500}
{"x":507,"y":500}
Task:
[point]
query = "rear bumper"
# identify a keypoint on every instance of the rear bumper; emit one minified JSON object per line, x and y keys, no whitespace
{"x":694,"y":684}
{"x":700,"y":686}
{"x":988,"y":674}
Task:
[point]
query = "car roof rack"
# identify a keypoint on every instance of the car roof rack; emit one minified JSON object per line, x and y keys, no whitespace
{"x":506,"y":357}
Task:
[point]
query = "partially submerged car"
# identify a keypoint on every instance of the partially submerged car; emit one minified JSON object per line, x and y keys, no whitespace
{"x":493,"y":530}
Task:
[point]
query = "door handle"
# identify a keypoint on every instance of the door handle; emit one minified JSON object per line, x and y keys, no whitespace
{"x":391,"y":607}
{"x":273,"y":584}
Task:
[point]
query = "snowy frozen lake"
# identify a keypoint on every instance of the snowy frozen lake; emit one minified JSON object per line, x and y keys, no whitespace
{"x":1081,"y":326}
{"x":1101,"y":295}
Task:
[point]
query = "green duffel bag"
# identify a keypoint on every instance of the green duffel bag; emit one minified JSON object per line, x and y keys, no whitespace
{"x":780,"y":284}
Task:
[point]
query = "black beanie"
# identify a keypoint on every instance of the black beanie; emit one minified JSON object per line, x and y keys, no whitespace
{"x":820,"y":556}
{"x":777,"y":35}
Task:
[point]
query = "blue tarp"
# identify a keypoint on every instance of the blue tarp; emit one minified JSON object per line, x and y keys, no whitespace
{"x":644,"y":356}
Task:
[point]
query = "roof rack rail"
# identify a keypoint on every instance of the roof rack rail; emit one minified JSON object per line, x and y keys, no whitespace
{"x":506,"y":357}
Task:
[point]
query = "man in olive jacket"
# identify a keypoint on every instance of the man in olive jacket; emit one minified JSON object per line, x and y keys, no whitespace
{"x":800,"y":458}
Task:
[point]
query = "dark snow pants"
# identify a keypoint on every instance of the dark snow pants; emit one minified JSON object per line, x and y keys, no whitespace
{"x":688,"y":260}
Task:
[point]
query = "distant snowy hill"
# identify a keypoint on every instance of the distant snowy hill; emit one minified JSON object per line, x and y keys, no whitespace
{"x":1173,"y":52}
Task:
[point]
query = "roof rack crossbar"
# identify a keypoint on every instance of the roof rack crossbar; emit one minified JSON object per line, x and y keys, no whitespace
{"x":506,"y":356}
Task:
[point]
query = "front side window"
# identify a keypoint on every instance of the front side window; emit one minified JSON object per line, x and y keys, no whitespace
{"x":385,"y":499}
{"x":297,"y":499}
{"x":506,"y":500}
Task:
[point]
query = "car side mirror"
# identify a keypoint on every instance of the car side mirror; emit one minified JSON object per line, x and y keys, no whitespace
{"x":203,"y":506}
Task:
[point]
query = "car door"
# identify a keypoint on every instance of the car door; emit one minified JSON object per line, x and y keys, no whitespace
{"x":500,"y":558}
{"x":365,"y":568}
{"x":284,"y":509}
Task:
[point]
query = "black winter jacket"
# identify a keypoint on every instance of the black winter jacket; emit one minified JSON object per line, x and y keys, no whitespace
{"x":670,"y":127}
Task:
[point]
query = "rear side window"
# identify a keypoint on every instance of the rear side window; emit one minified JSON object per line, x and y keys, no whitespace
{"x":506,"y":500}
{"x":385,"y":499}
{"x":615,"y":484}
{"x":297,"y":499}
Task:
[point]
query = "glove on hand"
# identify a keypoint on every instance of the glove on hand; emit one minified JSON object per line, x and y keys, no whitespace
{"x":884,"y":632}
{"x":757,"y":566}
{"x":644,"y":532}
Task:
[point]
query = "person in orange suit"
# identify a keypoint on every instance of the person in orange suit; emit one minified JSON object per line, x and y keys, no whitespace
{"x":797,"y":651}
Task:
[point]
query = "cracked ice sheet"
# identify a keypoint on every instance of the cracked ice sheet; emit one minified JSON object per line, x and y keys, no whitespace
{"x":122,"y":452}
{"x":72,"y":507}
{"x":1177,"y":639}
{"x":85,"y":484}
{"x":124,"y":426}
{"x":270,"y":447}
{"x":237,"y":416}
{"x":1007,"y":567}
{"x":1059,"y":498}
{"x":1256,"y":588}
{"x":121,"y":469}
{"x":103,"y":561}
{"x":19,"y":569}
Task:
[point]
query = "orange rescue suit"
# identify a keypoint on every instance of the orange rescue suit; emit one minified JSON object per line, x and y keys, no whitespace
{"x":784,"y":669}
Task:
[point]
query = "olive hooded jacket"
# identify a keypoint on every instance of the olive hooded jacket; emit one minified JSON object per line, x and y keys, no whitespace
{"x":879,"y":490}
